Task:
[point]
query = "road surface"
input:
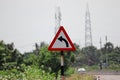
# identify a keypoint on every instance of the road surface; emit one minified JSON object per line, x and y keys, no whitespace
{"x":108,"y":77}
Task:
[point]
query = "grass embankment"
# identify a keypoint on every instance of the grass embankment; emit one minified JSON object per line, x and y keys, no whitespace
{"x":80,"y":77}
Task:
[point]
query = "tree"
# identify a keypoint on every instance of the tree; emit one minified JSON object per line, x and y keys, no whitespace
{"x":91,"y":54}
{"x":30,"y":58}
{"x":9,"y":56}
{"x":50,"y":60}
{"x":109,"y":47}
{"x":110,"y":55}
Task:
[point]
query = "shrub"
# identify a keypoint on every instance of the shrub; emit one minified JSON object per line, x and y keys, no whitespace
{"x":30,"y":73}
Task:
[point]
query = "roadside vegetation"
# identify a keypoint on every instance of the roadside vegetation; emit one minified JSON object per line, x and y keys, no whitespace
{"x":41,"y":64}
{"x":81,"y":77}
{"x":30,"y":73}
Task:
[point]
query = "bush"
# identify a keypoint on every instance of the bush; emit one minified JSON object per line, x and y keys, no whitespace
{"x":69,"y":71}
{"x":31,"y":73}
{"x":90,"y":68}
{"x":114,"y":66}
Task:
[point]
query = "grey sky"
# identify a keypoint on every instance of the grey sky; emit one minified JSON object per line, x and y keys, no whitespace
{"x":25,"y":22}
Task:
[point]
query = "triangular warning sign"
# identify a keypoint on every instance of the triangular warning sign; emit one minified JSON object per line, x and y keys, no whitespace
{"x":61,"y":41}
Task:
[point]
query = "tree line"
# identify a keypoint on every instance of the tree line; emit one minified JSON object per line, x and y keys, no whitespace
{"x":49,"y":61}
{"x":108,"y":56}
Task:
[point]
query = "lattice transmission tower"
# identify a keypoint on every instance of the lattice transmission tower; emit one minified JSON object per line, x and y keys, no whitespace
{"x":57,"y":19}
{"x":88,"y":32}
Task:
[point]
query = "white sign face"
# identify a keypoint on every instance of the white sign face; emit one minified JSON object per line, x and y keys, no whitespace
{"x":61,"y":41}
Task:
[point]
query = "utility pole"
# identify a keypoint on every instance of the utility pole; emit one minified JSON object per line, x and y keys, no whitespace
{"x":106,"y":39}
{"x":101,"y":61}
{"x":106,"y":53}
{"x":100,"y":43}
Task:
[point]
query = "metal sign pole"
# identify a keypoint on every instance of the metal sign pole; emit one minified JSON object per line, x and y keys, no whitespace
{"x":62,"y":65}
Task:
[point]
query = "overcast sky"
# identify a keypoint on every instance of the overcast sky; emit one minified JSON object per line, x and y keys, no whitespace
{"x":26,"y":22}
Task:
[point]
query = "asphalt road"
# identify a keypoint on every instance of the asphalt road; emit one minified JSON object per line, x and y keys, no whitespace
{"x":108,"y":77}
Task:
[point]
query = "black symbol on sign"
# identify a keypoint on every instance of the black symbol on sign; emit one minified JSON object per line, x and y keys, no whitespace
{"x":63,"y":39}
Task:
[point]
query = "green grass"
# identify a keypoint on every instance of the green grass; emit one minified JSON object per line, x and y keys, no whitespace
{"x":80,"y":77}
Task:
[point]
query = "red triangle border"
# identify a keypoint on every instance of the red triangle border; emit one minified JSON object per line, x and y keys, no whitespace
{"x":55,"y":38}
